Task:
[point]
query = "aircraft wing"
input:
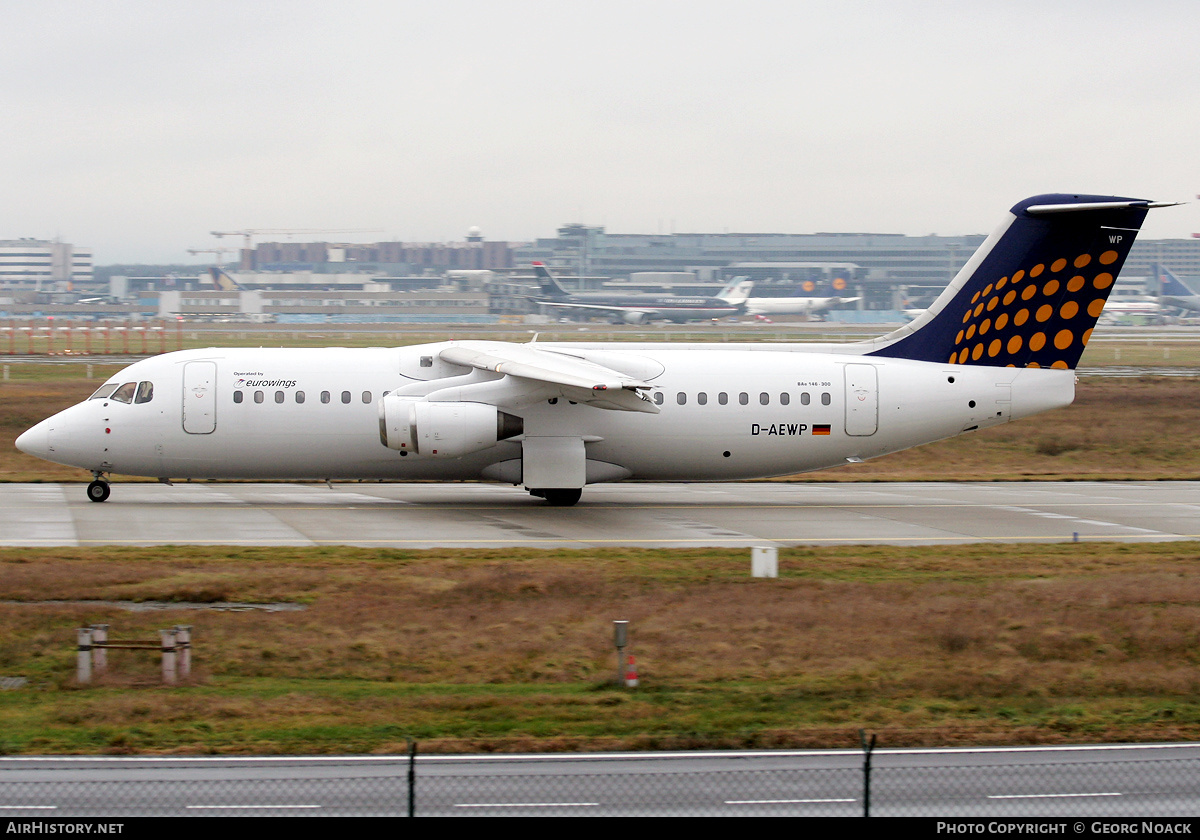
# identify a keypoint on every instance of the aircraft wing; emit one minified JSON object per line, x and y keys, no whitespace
{"x":575,"y":379}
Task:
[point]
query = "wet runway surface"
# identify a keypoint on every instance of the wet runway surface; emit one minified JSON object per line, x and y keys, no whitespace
{"x":649,"y":515}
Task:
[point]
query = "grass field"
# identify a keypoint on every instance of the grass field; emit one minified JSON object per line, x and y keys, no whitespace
{"x":512,"y":650}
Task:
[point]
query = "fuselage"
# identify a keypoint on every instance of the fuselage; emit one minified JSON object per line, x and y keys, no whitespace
{"x":642,"y":308}
{"x":725,"y":412}
{"x":793,"y":305}
{"x":1001,"y":342}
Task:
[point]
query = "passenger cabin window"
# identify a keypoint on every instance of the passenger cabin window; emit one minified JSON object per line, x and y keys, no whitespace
{"x":723,"y":398}
{"x":785,"y":398}
{"x":805,"y":398}
{"x":104,"y":391}
{"x":258,"y":396}
{"x":366,"y":397}
{"x":299,"y":396}
{"x":681,"y":398}
{"x":279,"y":396}
{"x":346,"y":397}
{"x":324,"y":396}
{"x":702,"y":398}
{"x":125,"y":392}
{"x":764,"y":398}
{"x":825,"y":399}
{"x":744,"y":398}
{"x":237,"y":396}
{"x":658,"y":398}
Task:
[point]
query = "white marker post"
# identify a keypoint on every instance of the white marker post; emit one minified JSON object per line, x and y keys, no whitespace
{"x":764,"y":561}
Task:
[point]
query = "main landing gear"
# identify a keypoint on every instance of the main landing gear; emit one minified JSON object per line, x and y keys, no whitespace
{"x":559,"y":497}
{"x":98,"y":490}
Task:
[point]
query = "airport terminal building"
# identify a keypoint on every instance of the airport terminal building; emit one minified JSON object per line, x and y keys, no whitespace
{"x":890,"y":269}
{"x":43,"y":265}
{"x":479,"y":281}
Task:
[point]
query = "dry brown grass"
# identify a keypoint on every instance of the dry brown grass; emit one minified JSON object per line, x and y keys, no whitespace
{"x":976,"y":644}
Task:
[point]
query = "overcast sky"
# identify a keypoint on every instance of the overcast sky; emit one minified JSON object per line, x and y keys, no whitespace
{"x":136,"y":128}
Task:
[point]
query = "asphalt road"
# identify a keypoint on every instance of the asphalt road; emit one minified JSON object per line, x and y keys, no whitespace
{"x":1117,"y":781}
{"x":630,"y":514}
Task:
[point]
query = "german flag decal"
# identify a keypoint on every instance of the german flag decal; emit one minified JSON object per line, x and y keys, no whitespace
{"x":820,"y":428}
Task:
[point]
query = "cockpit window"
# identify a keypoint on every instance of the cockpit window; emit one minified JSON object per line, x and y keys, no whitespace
{"x":145,"y":392}
{"x":125,"y":392}
{"x":103,"y":391}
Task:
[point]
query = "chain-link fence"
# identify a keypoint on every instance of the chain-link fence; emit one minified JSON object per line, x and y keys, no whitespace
{"x":950,"y":784}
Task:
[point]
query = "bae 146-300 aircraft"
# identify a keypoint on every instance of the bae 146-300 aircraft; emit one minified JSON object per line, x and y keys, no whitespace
{"x":999,"y":344}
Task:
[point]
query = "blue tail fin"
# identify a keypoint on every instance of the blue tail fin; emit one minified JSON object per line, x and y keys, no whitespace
{"x":222,"y":280}
{"x":550,"y":287}
{"x":1170,"y":285}
{"x":1031,"y":294}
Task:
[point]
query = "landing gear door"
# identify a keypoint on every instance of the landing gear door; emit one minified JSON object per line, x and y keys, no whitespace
{"x":200,"y":398}
{"x":862,"y":400}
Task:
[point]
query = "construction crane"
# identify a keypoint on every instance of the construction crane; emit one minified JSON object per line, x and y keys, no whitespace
{"x":249,"y":232}
{"x":219,"y":253}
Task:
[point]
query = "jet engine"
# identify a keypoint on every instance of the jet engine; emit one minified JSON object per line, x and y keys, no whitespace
{"x":443,"y":429}
{"x":633,"y":317}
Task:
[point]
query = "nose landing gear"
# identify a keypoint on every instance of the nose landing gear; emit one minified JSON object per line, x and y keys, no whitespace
{"x":98,"y":490}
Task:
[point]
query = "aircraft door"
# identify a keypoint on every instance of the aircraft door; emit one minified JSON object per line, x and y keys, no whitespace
{"x":862,"y":400}
{"x":200,"y":398}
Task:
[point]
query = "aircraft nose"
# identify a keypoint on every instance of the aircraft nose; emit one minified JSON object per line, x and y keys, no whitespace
{"x":36,"y":441}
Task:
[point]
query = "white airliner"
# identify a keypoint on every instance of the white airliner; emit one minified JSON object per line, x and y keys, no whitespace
{"x":642,"y":309}
{"x":794,"y":305}
{"x":802,"y":302}
{"x":999,"y":344}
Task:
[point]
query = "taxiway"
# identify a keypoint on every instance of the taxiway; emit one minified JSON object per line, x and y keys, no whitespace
{"x":631,"y":514}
